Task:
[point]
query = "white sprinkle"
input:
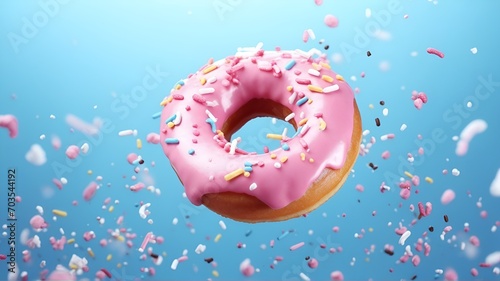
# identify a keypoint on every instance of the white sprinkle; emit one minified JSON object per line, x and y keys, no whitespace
{"x":368,"y":13}
{"x":283,"y":135}
{"x":469,"y":104}
{"x":385,"y":111}
{"x":277,"y":165}
{"x":455,"y":172}
{"x":313,"y":72}
{"x":253,"y":186}
{"x":174,"y":265}
{"x":42,"y":137}
{"x":52,"y":116}
{"x":439,"y":271}
{"x":40,"y":210}
{"x":331,"y":88}
{"x":232,"y":149}
{"x":212,"y":80}
{"x":134,"y":132}
{"x":204,"y":91}
{"x":403,"y":127}
{"x":353,"y":78}
{"x":302,"y":114}
{"x":303,"y":53}
{"x":493,"y":258}
{"x":314,"y":51}
{"x":304,"y":277}
{"x":289,"y":116}
{"x":259,"y":46}
{"x":455,"y":138}
{"x":125,"y":133}
{"x":85,"y":148}
{"x":366,"y":133}
{"x":496,"y":270}
{"x":408,"y":250}
{"x":222,"y":225}
{"x":142,"y":210}
{"x":211,"y":116}
{"x":175,"y":221}
{"x":184,"y":252}
{"x":212,"y":103}
{"x":494,"y":228}
{"x":61,"y":231}
{"x":403,"y":237}
{"x":292,"y":98}
{"x":383,"y":138}
{"x":178,"y":118}
{"x":311,"y":34}
{"x":304,"y":130}
{"x":200,"y":249}
{"x":273,"y":121}
{"x":473,"y":50}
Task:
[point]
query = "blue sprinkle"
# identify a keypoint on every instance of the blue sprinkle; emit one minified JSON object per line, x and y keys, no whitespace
{"x":302,"y":101}
{"x":156,"y":115}
{"x":191,"y":151}
{"x":212,"y":124}
{"x":248,"y":169}
{"x":248,"y":164}
{"x":297,"y":133}
{"x":171,"y":118}
{"x":283,"y":235}
{"x":290,"y":64}
{"x":285,"y":147}
{"x":181,"y":82}
{"x":171,"y":141}
{"x":136,"y":161}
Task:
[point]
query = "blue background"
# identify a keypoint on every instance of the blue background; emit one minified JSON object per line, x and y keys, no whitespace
{"x":91,"y":53}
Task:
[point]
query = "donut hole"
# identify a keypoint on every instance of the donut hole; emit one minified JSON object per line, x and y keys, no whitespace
{"x":253,"y":121}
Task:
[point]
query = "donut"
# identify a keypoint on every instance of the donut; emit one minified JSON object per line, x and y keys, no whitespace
{"x":204,"y":110}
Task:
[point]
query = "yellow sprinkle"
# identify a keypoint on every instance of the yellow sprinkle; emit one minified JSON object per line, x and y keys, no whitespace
{"x":302,"y":156}
{"x":90,"y":252}
{"x":215,"y":273}
{"x":311,"y":160}
{"x":164,"y":253}
{"x":273,"y":156}
{"x":120,"y":238}
{"x":408,"y":174}
{"x":164,"y":102}
{"x":316,"y":66}
{"x":109,"y":257}
{"x":111,"y":208}
{"x":234,"y":174}
{"x":309,"y":101}
{"x":59,"y":213}
{"x":89,"y":172}
{"x":217,"y":238}
{"x":322,"y":124}
{"x":315,"y":89}
{"x":303,"y":121}
{"x":170,"y":125}
{"x":203,"y":80}
{"x":370,"y":106}
{"x":70,"y":241}
{"x":170,"y":99}
{"x":209,"y":68}
{"x":139,"y":143}
{"x":283,"y":159}
{"x":370,"y":229}
{"x":339,"y":77}
{"x":73,"y":266}
{"x":429,"y":180}
{"x":327,"y":78}
{"x":289,"y":88}
{"x":326,"y":65}
{"x":220,"y":133}
{"x":177,"y":86}
{"x":274,"y":136}
{"x":246,"y":174}
{"x":367,"y":259}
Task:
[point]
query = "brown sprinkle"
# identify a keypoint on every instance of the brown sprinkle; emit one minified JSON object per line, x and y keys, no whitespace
{"x":389,"y":252}
{"x":377,"y":122}
{"x":382,"y":102}
{"x":141,"y":161}
{"x":209,"y":260}
{"x":153,"y":255}
{"x":446,"y":218}
{"x":368,"y":53}
{"x":431,"y":228}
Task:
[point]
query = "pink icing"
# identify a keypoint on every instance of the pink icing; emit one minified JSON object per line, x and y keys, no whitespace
{"x":239,"y":79}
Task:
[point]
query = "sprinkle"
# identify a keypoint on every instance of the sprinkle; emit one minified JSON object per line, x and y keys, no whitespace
{"x":145,"y":241}
{"x":253,"y":186}
{"x":139,"y":143}
{"x":248,"y":164}
{"x":59,"y":213}
{"x":222,"y":225}
{"x":314,"y":88}
{"x":296,"y":246}
{"x":191,"y":151}
{"x":212,"y":124}
{"x":435,"y":52}
{"x":331,"y":89}
{"x":311,"y":160}
{"x":429,"y":180}
{"x":264,"y":66}
{"x":322,"y":124}
{"x":313,"y":72}
{"x":217,"y":238}
{"x":156,"y":115}
{"x":325,"y":65}
{"x":209,"y":68}
{"x":210,"y":115}
{"x":285,"y":147}
{"x":303,"y":121}
{"x":200,"y":248}
{"x":316,"y":66}
{"x":377,"y":122}
{"x":283,"y":159}
{"x":204,"y":91}
{"x":277,"y":165}
{"x":304,"y":130}
{"x":170,"y":119}
{"x":304,"y":277}
{"x":274,"y":136}
{"x":215,"y":273}
{"x":174,"y":264}
{"x":199,"y":99}
{"x":125,"y":133}
{"x":327,"y":78}
{"x":289,"y":88}
{"x":248,"y":169}
{"x":403,"y":237}
{"x":302,"y":156}
{"x":289,"y":117}
{"x":203,"y":80}
{"x":172,"y":141}
{"x":303,"y":143}
{"x":90,"y":252}
{"x":234,"y":174}
{"x":303,"y":81}
{"x":212,"y":79}
{"x":290,"y":64}
{"x":302,"y":101}
{"x":273,"y":156}
{"x":283,"y":235}
{"x":339,"y":77}
{"x":408,"y":174}
{"x":292,"y":98}
{"x":232,"y":149}
{"x":246,"y":174}
{"x":170,"y":125}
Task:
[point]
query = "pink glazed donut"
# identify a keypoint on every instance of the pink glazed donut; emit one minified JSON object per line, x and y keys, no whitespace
{"x":203,"y":111}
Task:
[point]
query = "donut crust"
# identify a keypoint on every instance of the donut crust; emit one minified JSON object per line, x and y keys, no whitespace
{"x":246,"y":208}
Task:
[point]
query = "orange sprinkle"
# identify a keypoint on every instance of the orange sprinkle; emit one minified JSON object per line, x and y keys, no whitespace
{"x":273,"y":156}
{"x":170,"y":98}
{"x":209,"y":68}
{"x":339,"y":77}
{"x":302,"y":156}
{"x":170,"y":125}
{"x":311,"y":160}
{"x":325,"y":65}
{"x":164,"y":102}
{"x":322,"y":124}
{"x":289,"y":88}
{"x":303,"y":121}
{"x":178,"y":86}
{"x":315,"y":89}
{"x":309,"y":101}
{"x":283,"y":159}
{"x":246,"y":174}
{"x":327,"y":78}
{"x":203,"y":80}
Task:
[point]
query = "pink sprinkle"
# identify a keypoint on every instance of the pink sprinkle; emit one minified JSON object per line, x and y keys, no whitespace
{"x":447,"y":197}
{"x":401,"y":230}
{"x":428,"y":208}
{"x":435,"y":52}
{"x":421,"y":210}
{"x":474,"y":272}
{"x":183,"y":258}
{"x":199,"y":99}
{"x":450,"y":275}
{"x":303,"y":81}
{"x":474,"y":241}
{"x":386,"y":154}
{"x":360,"y":188}
{"x":152,"y":271}
{"x":404,"y":258}
{"x":418,"y":103}
{"x":305,"y":36}
{"x":246,"y":268}
{"x":153,"y":138}
{"x":405,"y":193}
{"x":331,"y":21}
{"x":423,"y":97}
{"x":37,"y":222}
{"x":159,"y":240}
{"x":90,"y":191}
{"x":335,"y":229}
{"x":131,"y":158}
{"x":484,"y":214}
{"x":312,"y":263}
{"x":10,"y":123}
{"x":415,"y":180}
{"x":58,"y":183}
{"x":415,"y":260}
{"x":427,"y":249}
{"x":72,"y":151}
{"x":296,"y":246}
{"x":337,"y":276}
{"x":318,"y":2}
{"x":177,"y":97}
{"x":137,"y":187}
{"x":56,"y":142}
{"x":418,"y":247}
{"x":145,"y":241}
{"x":103,"y":242}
